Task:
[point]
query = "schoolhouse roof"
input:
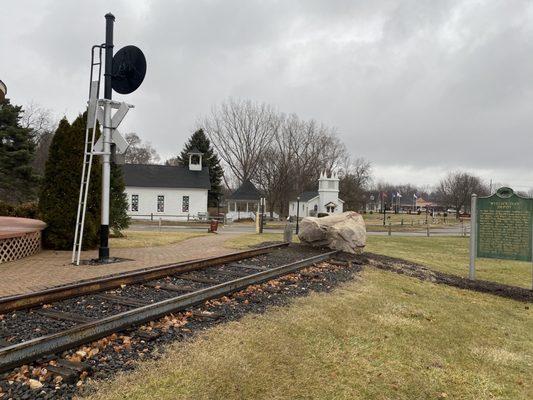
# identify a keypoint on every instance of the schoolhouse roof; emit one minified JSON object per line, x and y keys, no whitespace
{"x":165,"y":176}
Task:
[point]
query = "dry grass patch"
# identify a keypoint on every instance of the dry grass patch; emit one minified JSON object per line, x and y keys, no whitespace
{"x":150,"y":239}
{"x":385,"y":336}
{"x":450,"y":255}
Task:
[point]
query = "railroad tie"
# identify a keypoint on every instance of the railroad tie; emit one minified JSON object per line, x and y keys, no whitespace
{"x":69,"y":376}
{"x":236,"y":274}
{"x":147,"y":336}
{"x":75,"y":366}
{"x":256,"y":267}
{"x":170,"y":287}
{"x":64,"y":316}
{"x":4,"y":343}
{"x":125,"y":301}
{"x":199,"y":279}
{"x":205,"y":314}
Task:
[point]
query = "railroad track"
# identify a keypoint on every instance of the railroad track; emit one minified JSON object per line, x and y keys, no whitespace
{"x":72,"y":315}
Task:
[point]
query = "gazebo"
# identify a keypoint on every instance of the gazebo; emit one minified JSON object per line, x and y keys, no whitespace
{"x":244,"y":202}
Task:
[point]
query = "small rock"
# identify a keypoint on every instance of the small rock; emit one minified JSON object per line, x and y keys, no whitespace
{"x":35,"y":384}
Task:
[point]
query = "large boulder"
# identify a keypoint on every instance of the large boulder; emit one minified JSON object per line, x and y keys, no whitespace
{"x":346,"y":232}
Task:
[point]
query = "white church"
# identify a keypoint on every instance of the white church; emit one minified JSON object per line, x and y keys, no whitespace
{"x":324,"y":200}
{"x":169,"y":192}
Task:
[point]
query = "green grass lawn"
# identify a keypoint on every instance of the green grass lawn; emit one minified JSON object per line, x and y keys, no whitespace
{"x":383,"y":336}
{"x":446,"y":254}
{"x":150,"y":239}
{"x":450,"y":254}
{"x":374,"y":222}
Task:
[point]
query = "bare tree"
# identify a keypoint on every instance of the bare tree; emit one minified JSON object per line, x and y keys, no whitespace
{"x":355,"y":179}
{"x":457,"y":187}
{"x":240,"y":131}
{"x":139,"y":152}
{"x":42,"y":123}
{"x":298,"y":152}
{"x":41,"y":152}
{"x":282,"y":154}
{"x":40,"y":120}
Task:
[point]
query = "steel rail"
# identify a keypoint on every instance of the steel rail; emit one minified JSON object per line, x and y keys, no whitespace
{"x":33,"y":349}
{"x":28,"y":300}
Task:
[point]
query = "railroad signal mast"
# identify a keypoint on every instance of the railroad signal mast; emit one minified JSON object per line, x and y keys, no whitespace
{"x":123,"y":73}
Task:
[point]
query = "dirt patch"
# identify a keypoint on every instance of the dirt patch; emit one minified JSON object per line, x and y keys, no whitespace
{"x":422,"y":272}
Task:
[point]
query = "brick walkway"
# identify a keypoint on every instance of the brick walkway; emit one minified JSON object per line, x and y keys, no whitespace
{"x":52,"y":268}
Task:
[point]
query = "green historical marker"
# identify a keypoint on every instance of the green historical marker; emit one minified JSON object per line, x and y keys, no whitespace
{"x":501,"y":227}
{"x":504,"y":226}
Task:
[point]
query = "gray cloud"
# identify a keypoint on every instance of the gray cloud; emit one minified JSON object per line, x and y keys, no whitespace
{"x":415,"y":86}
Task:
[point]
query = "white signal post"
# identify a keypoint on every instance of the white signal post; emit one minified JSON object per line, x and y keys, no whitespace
{"x":101,"y":110}
{"x":106,"y":168}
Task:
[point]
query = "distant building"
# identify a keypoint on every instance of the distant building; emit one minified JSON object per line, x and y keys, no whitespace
{"x":325,"y":200}
{"x":244,"y":202}
{"x":373,"y":202}
{"x":3,"y":91}
{"x":167,"y":191}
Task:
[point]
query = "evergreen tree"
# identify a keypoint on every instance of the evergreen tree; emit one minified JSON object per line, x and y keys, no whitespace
{"x":58,"y":202}
{"x":18,"y":182}
{"x":210,"y":160}
{"x":118,"y":207}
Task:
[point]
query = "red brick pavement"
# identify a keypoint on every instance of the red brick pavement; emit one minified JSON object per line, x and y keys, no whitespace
{"x":52,"y":268}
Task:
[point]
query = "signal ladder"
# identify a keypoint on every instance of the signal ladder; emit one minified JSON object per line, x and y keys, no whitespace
{"x":94,"y":92}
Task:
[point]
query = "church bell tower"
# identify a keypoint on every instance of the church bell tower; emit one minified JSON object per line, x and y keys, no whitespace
{"x":328,"y":193}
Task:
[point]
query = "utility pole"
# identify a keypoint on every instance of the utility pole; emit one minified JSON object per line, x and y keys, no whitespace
{"x":383,"y":207}
{"x":103,"y":250}
{"x":262,"y":216}
{"x":297,"y":213}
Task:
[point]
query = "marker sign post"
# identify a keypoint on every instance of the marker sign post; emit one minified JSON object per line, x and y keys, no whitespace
{"x":501,"y":227}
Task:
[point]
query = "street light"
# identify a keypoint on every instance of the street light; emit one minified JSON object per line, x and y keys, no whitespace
{"x":297,"y":212}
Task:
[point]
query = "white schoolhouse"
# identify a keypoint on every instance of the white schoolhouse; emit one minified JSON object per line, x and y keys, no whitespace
{"x":324,"y":200}
{"x":167,"y":191}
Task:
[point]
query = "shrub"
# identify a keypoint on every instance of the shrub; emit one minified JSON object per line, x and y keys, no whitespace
{"x":27,"y":210}
{"x":24,"y":210}
{"x":6,"y":210}
{"x":371,"y":212}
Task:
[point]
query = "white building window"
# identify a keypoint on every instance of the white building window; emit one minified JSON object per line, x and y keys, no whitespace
{"x":134,"y":202}
{"x":185,"y":204}
{"x":160,"y":203}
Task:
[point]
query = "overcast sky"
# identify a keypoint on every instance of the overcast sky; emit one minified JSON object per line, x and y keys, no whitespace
{"x":416,"y":87}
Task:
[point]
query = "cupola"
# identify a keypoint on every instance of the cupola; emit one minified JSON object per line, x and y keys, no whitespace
{"x":195,"y":159}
